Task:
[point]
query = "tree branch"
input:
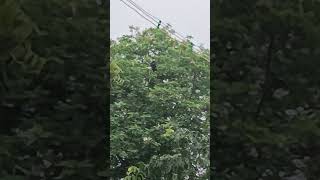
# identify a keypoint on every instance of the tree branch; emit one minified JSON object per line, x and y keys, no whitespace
{"x":267,"y":82}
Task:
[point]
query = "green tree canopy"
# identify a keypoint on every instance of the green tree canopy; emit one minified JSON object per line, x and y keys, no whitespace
{"x":266,"y":89}
{"x":159,"y":119}
{"x":52,"y":84}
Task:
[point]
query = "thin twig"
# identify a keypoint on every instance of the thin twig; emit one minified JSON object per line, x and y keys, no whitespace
{"x":267,"y":82}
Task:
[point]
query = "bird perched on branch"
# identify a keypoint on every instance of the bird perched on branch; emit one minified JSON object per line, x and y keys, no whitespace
{"x":153,"y":65}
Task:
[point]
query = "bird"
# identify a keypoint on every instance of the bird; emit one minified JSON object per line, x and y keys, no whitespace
{"x":153,"y":65}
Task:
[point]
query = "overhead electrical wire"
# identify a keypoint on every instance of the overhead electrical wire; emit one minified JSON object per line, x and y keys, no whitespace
{"x":175,"y":33}
{"x":155,"y":19}
{"x":138,"y":13}
{"x":157,"y":22}
{"x":178,"y":35}
{"x":141,"y":9}
{"x":181,"y":36}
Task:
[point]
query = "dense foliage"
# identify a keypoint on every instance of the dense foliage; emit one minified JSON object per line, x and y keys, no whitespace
{"x":159,"y":117}
{"x":265,"y":86}
{"x":52,"y":84}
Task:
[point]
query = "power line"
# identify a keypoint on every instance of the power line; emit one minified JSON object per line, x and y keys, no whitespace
{"x":138,"y":12}
{"x":172,"y":32}
{"x":175,"y":33}
{"x":147,"y":13}
{"x":153,"y":20}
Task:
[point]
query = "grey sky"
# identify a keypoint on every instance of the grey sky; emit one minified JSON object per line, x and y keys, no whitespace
{"x":187,"y":17}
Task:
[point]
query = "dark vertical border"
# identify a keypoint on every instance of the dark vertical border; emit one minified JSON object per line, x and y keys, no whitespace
{"x":287,"y":116}
{"x":108,"y":89}
{"x":211,"y":91}
{"x":54,"y":106}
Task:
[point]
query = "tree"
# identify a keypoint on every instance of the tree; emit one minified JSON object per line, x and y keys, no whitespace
{"x":265,"y":89}
{"x":159,"y":119}
{"x":53,"y":68}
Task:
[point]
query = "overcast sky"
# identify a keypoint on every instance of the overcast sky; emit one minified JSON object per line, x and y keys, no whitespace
{"x":187,"y":17}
